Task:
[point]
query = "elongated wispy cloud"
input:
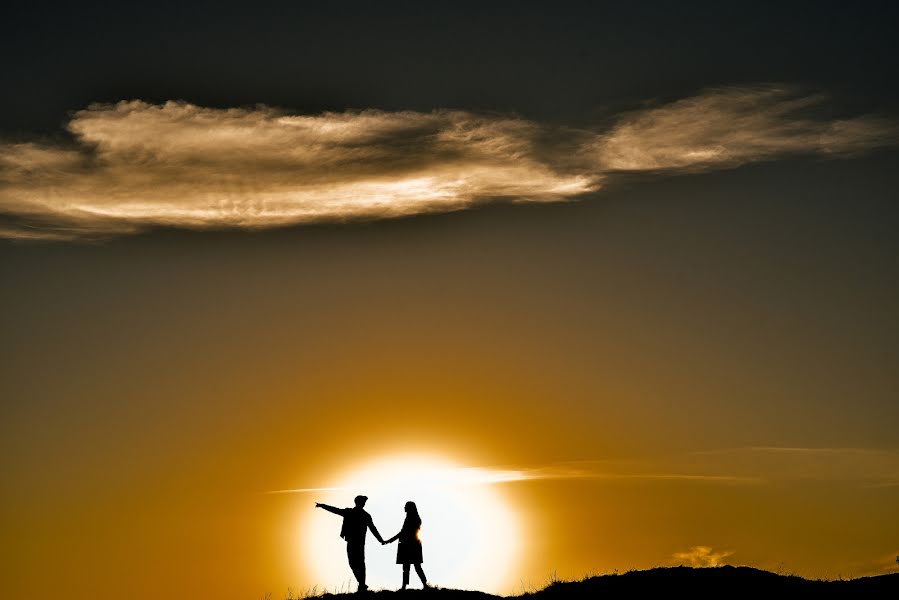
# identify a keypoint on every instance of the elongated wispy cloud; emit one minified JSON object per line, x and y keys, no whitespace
{"x":133,"y":165}
{"x":865,"y":467}
{"x":595,"y":470}
{"x":870,"y":467}
{"x":730,"y":127}
{"x":435,"y":478}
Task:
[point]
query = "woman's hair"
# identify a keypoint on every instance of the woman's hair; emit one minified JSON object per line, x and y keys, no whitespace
{"x":412,"y":511}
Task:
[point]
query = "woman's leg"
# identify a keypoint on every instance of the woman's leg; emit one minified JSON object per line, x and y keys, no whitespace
{"x":421,"y":574}
{"x":405,"y":575}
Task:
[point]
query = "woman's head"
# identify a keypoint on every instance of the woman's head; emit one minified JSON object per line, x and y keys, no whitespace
{"x":411,"y":509}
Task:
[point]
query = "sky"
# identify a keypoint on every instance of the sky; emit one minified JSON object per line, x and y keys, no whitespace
{"x":625,"y":275}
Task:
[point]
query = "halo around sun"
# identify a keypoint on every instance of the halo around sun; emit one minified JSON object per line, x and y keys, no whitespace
{"x":470,"y":534}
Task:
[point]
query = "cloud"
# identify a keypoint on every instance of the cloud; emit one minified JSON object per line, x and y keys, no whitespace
{"x":753,"y":465}
{"x":138,"y":165}
{"x":596,"y":470}
{"x":650,"y":470}
{"x":444,"y":477}
{"x":306,"y":490}
{"x":134,"y":165}
{"x":733,"y":126}
{"x":870,"y":467}
{"x":701,"y":556}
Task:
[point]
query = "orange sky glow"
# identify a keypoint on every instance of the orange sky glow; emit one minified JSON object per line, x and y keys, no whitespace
{"x":600,"y":286}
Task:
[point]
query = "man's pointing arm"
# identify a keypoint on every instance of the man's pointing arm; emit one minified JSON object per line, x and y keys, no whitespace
{"x":332,"y":509}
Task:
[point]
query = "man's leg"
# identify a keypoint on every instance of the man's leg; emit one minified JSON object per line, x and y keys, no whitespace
{"x":356,"y":555}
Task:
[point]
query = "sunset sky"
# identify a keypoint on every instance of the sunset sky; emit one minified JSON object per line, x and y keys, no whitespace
{"x":600,"y":287}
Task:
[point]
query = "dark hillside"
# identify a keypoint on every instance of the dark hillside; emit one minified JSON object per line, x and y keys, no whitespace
{"x":687,"y":582}
{"x":719,"y":581}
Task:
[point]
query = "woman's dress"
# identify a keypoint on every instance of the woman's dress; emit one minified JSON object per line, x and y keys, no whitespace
{"x":409,"y":550}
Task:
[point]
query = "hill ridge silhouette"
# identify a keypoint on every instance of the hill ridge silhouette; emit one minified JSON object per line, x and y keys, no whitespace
{"x":702,"y":581}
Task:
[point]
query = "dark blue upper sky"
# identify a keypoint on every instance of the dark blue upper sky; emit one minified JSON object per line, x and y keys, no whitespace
{"x":568,"y":61}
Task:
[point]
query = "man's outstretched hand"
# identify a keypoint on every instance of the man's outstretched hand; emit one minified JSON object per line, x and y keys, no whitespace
{"x":318,"y":505}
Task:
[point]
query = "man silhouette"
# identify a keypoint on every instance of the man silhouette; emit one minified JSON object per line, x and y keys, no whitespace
{"x":356,"y":523}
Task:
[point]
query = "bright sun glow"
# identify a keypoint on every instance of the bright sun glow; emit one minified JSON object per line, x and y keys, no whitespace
{"x":469,"y":533}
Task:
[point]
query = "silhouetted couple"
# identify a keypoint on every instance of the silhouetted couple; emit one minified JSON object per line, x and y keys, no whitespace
{"x":357,"y":522}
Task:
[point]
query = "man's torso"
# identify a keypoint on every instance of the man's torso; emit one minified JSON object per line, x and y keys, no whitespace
{"x":355,"y":526}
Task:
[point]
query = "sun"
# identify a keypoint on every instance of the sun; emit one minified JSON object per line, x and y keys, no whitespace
{"x":470,"y":534}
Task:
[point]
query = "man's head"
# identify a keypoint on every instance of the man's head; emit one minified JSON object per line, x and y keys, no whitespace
{"x":360,"y":501}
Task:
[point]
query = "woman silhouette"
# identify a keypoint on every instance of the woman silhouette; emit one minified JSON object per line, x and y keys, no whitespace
{"x":409,"y":550}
